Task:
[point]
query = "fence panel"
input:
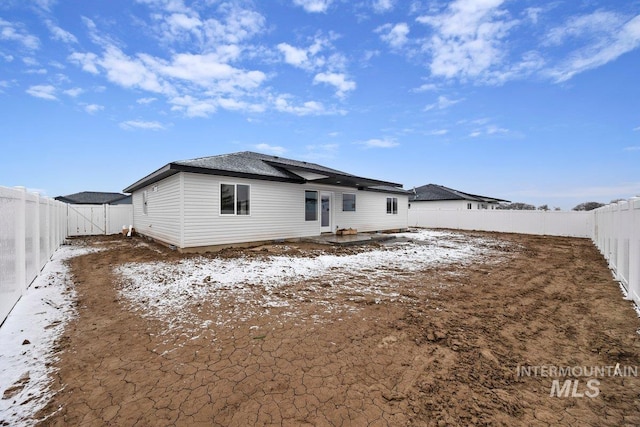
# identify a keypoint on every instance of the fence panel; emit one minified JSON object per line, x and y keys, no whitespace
{"x":94,"y":220}
{"x":86,"y":220}
{"x":118,"y":216}
{"x":546,"y":223}
{"x":617,"y":236}
{"x":31,"y":229}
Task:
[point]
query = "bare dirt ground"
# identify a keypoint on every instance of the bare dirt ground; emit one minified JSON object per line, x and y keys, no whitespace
{"x":445,"y":352}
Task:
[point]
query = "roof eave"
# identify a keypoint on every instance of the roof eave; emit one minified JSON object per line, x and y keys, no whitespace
{"x":173,"y":168}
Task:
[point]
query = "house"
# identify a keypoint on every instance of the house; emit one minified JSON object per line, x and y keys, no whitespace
{"x":432,"y":196}
{"x":95,"y":198}
{"x":251,"y":197}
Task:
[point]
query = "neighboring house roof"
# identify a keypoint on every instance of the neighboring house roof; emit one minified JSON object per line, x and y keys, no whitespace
{"x":433,"y":192}
{"x":95,"y":198}
{"x":248,"y":164}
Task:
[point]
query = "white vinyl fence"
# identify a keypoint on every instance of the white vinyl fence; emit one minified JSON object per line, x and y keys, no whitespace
{"x":93,"y":220}
{"x":617,"y":235}
{"x":31,"y":229}
{"x":614,"y":229}
{"x":545,"y":223}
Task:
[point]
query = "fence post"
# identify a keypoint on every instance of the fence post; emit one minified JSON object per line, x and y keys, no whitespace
{"x":36,"y":237}
{"x":106,"y":218}
{"x":21,"y":235}
{"x":634,"y":250}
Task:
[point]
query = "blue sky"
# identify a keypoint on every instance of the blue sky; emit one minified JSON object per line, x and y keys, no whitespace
{"x":530,"y":101}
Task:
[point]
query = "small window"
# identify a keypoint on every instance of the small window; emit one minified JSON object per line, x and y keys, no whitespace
{"x":392,"y":205}
{"x":234,"y":199}
{"x":348,"y":202}
{"x":145,"y":202}
{"x":310,"y":205}
{"x":468,"y":205}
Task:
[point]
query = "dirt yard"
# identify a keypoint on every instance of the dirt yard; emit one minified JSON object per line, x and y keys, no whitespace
{"x":438,"y":344}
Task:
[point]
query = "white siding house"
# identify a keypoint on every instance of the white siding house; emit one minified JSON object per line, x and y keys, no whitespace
{"x":438,"y":197}
{"x":250,"y":197}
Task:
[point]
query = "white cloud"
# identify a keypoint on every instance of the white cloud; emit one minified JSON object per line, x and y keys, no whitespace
{"x":379,"y":143}
{"x":394,"y":35}
{"x":637,"y":129}
{"x":45,"y":4}
{"x":339,"y":81}
{"x":179,"y":22}
{"x":37,"y":71}
{"x":236,"y":105}
{"x":145,"y":101}
{"x":93,"y":108}
{"x":139,"y":124}
{"x":73,"y":92}
{"x":59,"y":34}
{"x":632,"y":148}
{"x":130,"y":72}
{"x":15,"y":32}
{"x":310,"y":58}
{"x":314,"y":6}
{"x":227,"y":24}
{"x":282,"y":104}
{"x":468,"y":39}
{"x":442,"y":103}
{"x":88,"y":61}
{"x":533,"y":13}
{"x":439,"y":132}
{"x":427,"y":87}
{"x":204,"y":70}
{"x":29,"y":61}
{"x":489,"y":129}
{"x":193,"y":107}
{"x":597,"y":23}
{"x":273,"y":149}
{"x":293,"y":55}
{"x":381,"y":6}
{"x":609,"y":36}
{"x":43,"y":91}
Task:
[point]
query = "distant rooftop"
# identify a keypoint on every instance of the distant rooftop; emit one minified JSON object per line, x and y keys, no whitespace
{"x":433,"y":192}
{"x":248,"y":164}
{"x":95,"y":198}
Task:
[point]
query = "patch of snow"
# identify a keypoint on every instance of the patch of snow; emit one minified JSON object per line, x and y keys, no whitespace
{"x":28,"y":336}
{"x":169,"y":290}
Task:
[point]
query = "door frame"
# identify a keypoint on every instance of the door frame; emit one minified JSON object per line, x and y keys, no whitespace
{"x":329,"y":196}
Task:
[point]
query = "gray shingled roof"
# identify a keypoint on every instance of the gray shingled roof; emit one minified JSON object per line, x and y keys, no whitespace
{"x":433,"y":192}
{"x":248,"y":164}
{"x":92,"y":198}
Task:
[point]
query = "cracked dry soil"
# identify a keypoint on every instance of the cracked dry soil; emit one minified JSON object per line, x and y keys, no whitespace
{"x":445,"y":354}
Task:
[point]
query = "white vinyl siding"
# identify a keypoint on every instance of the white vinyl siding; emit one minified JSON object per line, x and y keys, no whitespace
{"x":371,"y":214}
{"x":277,"y":211}
{"x":162,"y":218}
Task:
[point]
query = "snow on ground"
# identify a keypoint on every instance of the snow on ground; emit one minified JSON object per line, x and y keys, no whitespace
{"x":28,"y":336}
{"x":169,"y":290}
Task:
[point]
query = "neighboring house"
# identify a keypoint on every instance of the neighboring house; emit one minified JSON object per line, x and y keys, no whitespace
{"x":250,"y":197}
{"x":95,"y":198}
{"x":432,"y":196}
